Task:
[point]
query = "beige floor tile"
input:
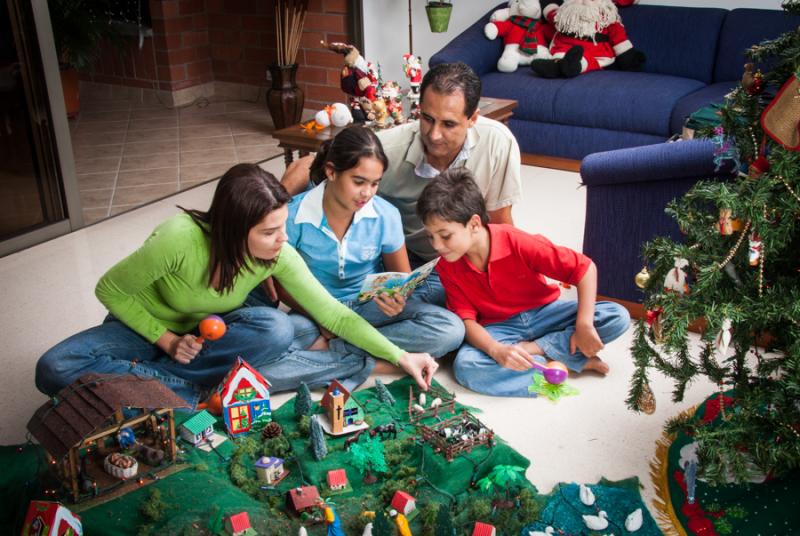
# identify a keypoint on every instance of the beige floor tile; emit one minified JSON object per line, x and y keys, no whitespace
{"x":225,"y":154}
{"x":186,"y":185}
{"x":143,"y":194}
{"x":105,"y":106}
{"x":153,"y":113}
{"x":203,"y":172}
{"x":119,"y":209}
{"x":203,"y":119}
{"x":150,"y":147}
{"x":257,"y":153}
{"x":96,"y":165}
{"x":153,"y":123}
{"x":244,"y":106}
{"x":152,"y":135}
{"x":98,"y":138}
{"x":206,"y":144}
{"x":128,"y":179}
{"x":165,"y":160}
{"x":101,"y":127}
{"x":92,"y":215}
{"x":207,"y":109}
{"x":243,"y":140}
{"x":96,"y":198}
{"x":204,"y":131}
{"x":89,"y":117}
{"x":248,"y":125}
{"x":96,"y":181}
{"x":83,"y":152}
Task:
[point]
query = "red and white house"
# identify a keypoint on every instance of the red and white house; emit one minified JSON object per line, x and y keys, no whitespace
{"x":483,"y":529}
{"x":45,"y":518}
{"x":238,"y":524}
{"x":403,"y":502}
{"x":337,"y":479}
{"x":244,"y":394}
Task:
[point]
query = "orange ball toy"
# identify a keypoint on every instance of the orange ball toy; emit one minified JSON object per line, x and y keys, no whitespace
{"x":212,"y":328}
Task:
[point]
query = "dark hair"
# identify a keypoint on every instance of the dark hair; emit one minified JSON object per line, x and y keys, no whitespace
{"x":244,"y":196}
{"x":448,"y":78}
{"x":452,"y":196}
{"x":345,"y":150}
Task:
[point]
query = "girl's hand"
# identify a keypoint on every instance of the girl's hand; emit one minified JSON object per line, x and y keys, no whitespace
{"x":185,"y":349}
{"x":421,"y":367}
{"x":585,"y":339}
{"x":390,"y":304}
{"x":511,"y":356}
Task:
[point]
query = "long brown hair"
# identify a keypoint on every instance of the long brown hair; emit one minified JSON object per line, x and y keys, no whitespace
{"x":345,"y":150}
{"x":244,"y":196}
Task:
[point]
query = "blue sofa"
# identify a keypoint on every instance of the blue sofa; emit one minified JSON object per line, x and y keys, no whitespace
{"x":694,"y":57}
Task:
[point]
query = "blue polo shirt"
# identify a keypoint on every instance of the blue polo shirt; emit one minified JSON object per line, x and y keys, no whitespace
{"x":342,"y":266}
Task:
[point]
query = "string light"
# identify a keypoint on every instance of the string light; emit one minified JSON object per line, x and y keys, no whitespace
{"x":735,"y":248}
{"x":788,"y":187}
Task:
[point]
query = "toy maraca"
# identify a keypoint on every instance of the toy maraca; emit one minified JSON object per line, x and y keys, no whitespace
{"x":212,"y":328}
{"x":554,"y":372}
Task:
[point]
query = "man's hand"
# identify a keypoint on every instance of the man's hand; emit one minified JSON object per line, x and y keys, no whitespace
{"x":421,"y":367}
{"x":511,"y":356}
{"x":586,"y":340}
{"x":185,"y":349}
{"x":390,"y":304}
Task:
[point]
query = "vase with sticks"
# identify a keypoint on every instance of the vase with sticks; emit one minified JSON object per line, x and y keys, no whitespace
{"x":284,"y":98}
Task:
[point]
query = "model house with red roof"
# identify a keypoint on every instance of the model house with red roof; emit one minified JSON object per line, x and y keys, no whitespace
{"x":483,"y":529}
{"x":337,"y":479}
{"x":244,"y":394}
{"x":302,"y":499}
{"x":403,"y":502}
{"x":238,"y":525}
{"x":45,"y":518}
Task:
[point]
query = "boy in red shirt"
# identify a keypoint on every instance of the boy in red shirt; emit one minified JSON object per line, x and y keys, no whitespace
{"x":494,"y":279}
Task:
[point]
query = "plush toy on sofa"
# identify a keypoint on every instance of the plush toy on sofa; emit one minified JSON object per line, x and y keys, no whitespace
{"x":523,"y":34}
{"x":589,"y":36}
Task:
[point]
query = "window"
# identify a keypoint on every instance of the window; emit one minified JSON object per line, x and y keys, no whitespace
{"x":240,"y":419}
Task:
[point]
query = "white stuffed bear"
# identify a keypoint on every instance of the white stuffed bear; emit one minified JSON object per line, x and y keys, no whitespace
{"x":337,"y":114}
{"x":522,"y":34}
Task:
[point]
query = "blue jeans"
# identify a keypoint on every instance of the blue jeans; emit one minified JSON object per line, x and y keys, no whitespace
{"x":550,"y":326}
{"x":430,"y":290}
{"x":258,"y":334}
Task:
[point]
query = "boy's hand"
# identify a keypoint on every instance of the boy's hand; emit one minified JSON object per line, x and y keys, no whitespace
{"x":585,"y":339}
{"x":511,"y":356}
{"x":390,"y":304}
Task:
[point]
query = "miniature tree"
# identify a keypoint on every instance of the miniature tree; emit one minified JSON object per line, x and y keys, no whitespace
{"x":381,"y":525}
{"x":367,"y":457}
{"x":444,"y":522}
{"x":318,"y":444}
{"x":383,"y":393}
{"x":502,"y":477}
{"x":153,"y":507}
{"x":740,"y":253}
{"x":302,"y":402}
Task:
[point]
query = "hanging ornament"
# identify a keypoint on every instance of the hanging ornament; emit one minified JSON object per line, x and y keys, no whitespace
{"x":675,"y":281}
{"x":646,"y":401}
{"x":725,"y":223}
{"x":653,"y":318}
{"x":755,"y":248}
{"x":730,"y":269}
{"x":759,"y":166}
{"x":642,"y":278}
{"x":724,"y":150}
{"x":781,"y":118}
{"x":723,"y":339}
{"x":757,"y":87}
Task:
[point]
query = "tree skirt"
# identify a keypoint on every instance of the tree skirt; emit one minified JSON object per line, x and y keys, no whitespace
{"x":748,"y":509}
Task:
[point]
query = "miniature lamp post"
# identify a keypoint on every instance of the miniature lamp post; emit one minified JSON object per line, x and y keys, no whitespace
{"x":212,"y":328}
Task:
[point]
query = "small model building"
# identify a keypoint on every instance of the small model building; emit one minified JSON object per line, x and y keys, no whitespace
{"x":45,"y":518}
{"x":403,"y":502}
{"x":344,"y":414}
{"x":78,"y":428}
{"x":270,"y":470}
{"x":302,"y":499}
{"x":483,"y":529}
{"x":337,"y":479}
{"x":245,"y":398}
{"x":460,"y":433}
{"x":238,"y":525}
{"x":198,"y":428}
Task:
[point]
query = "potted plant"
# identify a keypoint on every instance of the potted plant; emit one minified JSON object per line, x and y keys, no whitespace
{"x":79,"y":27}
{"x":438,"y":15}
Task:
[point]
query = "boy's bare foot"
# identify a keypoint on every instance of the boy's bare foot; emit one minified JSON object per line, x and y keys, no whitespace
{"x":320,"y":344}
{"x":595,"y":364}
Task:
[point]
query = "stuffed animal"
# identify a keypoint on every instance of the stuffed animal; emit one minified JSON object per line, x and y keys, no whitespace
{"x":524,"y":35}
{"x":358,"y":78}
{"x":589,"y":36}
{"x":392,"y":96}
{"x":412,"y":68}
{"x":337,"y":114}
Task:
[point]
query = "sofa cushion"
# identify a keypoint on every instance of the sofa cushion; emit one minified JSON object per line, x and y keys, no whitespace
{"x":742,"y":29}
{"x":714,"y":93}
{"x":680,"y":41}
{"x":535,"y":96}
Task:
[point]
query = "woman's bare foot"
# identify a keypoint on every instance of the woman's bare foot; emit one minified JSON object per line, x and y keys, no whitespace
{"x":320,"y":344}
{"x":595,"y":364}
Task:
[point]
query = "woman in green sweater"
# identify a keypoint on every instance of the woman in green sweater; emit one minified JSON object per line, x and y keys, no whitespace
{"x":198,"y":263}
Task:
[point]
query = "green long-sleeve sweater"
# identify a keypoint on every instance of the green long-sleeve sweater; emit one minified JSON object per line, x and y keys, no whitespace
{"x":164,"y":286}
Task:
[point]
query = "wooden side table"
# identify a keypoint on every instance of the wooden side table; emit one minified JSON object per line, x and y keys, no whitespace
{"x":305,"y":141}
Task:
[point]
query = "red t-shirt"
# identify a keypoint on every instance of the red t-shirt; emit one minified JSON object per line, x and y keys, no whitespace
{"x":514,"y":280}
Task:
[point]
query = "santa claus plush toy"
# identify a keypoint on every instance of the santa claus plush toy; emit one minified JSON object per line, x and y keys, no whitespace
{"x":523,"y":35}
{"x":589,"y":36}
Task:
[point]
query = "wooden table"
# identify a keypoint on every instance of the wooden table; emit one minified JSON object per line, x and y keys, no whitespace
{"x":304,"y":141}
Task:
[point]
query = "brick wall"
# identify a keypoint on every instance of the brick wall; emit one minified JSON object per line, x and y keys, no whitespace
{"x":197,"y":41}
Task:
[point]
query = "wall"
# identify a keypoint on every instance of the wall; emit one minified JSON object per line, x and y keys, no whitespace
{"x":391,"y":16}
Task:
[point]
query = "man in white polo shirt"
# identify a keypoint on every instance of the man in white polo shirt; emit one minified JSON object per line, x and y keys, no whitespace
{"x":450,"y":133}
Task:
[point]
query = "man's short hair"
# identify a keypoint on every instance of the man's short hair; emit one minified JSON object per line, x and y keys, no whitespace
{"x":449,"y":78}
{"x":452,"y":196}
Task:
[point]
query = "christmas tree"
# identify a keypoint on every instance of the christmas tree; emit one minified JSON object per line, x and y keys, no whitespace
{"x":318,"y":444}
{"x":302,"y":402}
{"x":738,"y":272}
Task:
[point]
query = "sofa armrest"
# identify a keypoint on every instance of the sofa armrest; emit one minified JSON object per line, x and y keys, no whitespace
{"x":473,"y":48}
{"x":659,"y":162}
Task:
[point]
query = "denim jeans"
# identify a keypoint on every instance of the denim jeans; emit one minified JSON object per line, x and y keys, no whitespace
{"x":550,"y":326}
{"x":257,"y":334}
{"x":431,"y":289}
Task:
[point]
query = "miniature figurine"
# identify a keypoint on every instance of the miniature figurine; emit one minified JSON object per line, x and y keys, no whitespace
{"x":336,"y":114}
{"x":755,"y":248}
{"x":675,"y":281}
{"x":358,"y":78}
{"x":598,"y":522}
{"x":412,"y":67}
{"x":401,"y":523}
{"x":634,"y":520}
{"x":381,"y":112}
{"x":390,"y":92}
{"x":331,"y":519}
{"x":725,"y":223}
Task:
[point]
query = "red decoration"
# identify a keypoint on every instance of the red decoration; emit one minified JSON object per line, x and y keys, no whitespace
{"x":712,"y":408}
{"x":759,"y":166}
{"x":653,"y":314}
{"x":757,"y":87}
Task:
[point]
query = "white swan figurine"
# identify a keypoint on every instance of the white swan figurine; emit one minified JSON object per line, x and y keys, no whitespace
{"x":634,"y":520}
{"x":548,"y":531}
{"x":367,"y":530}
{"x":586,"y":495}
{"x":302,"y":532}
{"x":598,"y":522}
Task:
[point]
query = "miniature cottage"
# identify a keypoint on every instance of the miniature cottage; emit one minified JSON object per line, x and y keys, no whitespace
{"x":337,"y":479}
{"x":198,"y":428}
{"x":245,"y":398}
{"x":483,"y":529}
{"x":238,"y":525}
{"x":45,"y":518}
{"x":403,"y":502}
{"x":302,"y":499}
{"x":342,"y":409}
{"x":269,"y":469}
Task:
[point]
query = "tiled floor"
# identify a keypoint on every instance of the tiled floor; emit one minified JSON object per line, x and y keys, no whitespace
{"x":128,"y":154}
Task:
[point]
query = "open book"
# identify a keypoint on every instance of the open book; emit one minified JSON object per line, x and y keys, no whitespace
{"x":394,"y":282}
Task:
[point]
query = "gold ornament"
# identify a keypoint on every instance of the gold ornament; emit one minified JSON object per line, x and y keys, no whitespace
{"x":642,"y":278}
{"x":647,"y":400}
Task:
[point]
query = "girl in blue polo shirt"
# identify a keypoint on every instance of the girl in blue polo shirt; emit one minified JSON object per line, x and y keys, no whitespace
{"x":345,"y":232}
